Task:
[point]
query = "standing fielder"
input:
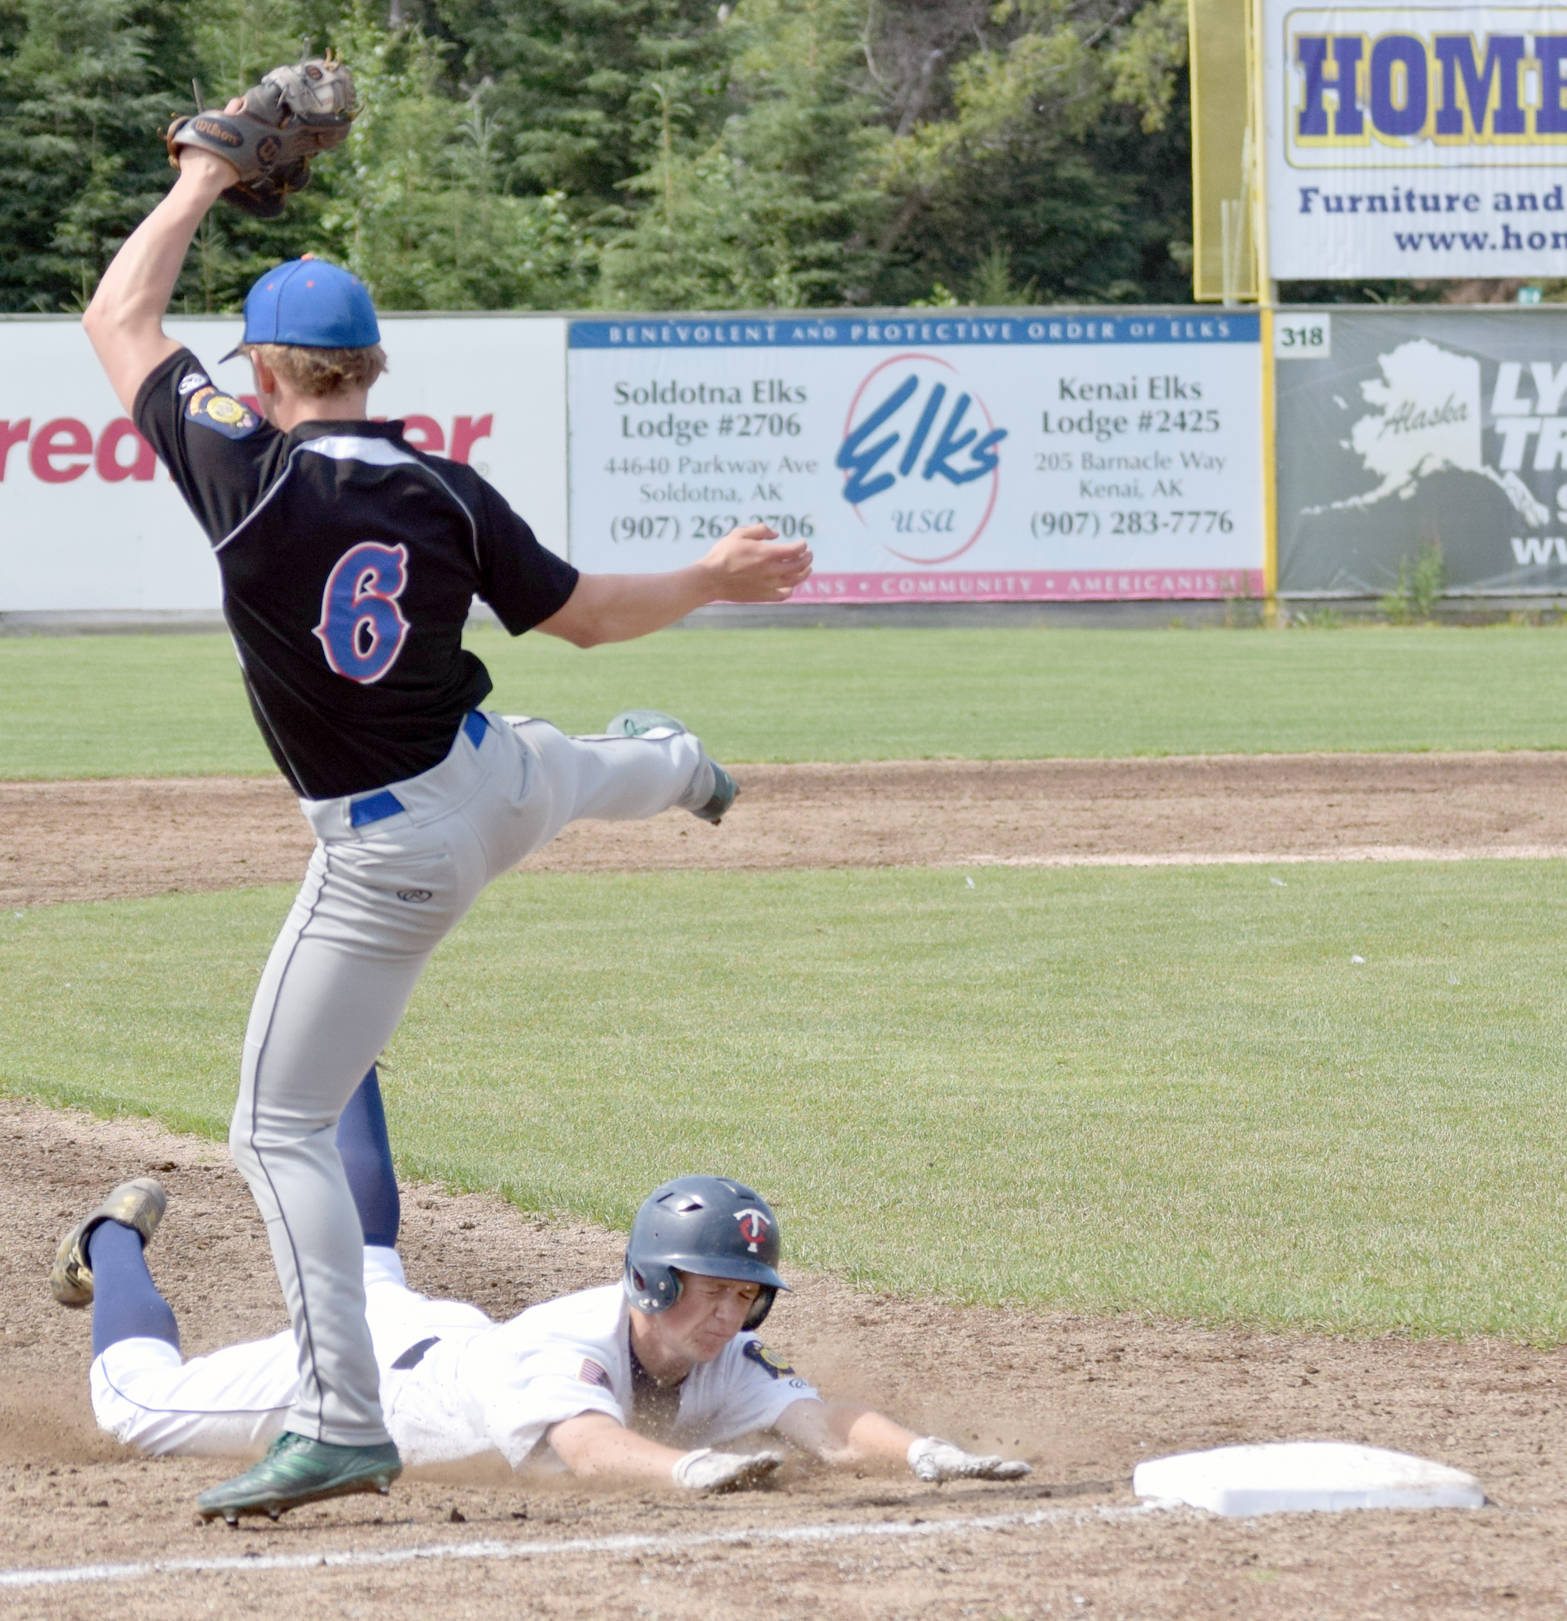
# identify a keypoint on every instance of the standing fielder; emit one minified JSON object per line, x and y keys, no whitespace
{"x":639,"y":1380}
{"x":349,"y":562}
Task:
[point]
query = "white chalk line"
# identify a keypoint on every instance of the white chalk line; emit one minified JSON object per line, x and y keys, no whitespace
{"x":624,"y":1544}
{"x":1344,"y":855}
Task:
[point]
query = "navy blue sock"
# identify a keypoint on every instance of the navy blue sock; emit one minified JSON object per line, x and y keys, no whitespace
{"x":125,"y":1303}
{"x":366,"y":1152}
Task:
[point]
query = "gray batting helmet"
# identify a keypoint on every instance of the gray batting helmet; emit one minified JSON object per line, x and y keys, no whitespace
{"x":709,"y":1226}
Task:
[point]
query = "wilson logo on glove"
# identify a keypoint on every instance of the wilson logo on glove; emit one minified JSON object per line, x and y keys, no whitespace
{"x":214,"y":129}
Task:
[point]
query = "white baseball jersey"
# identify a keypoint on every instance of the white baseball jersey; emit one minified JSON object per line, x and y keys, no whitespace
{"x":480,"y":1387}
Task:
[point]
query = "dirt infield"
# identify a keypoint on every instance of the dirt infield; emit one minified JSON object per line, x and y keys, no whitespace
{"x":85,"y":840}
{"x":93,"y":1531}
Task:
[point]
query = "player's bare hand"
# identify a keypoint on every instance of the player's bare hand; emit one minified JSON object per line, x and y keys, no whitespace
{"x":208,"y":166}
{"x":205,"y":165}
{"x":750,"y":564}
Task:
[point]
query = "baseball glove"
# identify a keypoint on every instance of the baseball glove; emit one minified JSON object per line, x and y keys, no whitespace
{"x":294,"y":113}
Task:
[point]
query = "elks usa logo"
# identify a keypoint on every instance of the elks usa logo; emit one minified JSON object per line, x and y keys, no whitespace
{"x":919,"y":458}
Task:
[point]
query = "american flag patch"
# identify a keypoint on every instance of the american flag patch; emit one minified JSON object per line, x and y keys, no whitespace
{"x":593,"y":1374}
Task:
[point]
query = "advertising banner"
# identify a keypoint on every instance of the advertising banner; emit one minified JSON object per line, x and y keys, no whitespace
{"x":928,"y":456}
{"x":1399,"y":430}
{"x":90,"y":522}
{"x":1415,"y":141}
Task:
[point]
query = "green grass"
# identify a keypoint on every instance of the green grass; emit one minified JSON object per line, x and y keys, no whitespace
{"x":1169,"y":1091}
{"x":172,"y":705}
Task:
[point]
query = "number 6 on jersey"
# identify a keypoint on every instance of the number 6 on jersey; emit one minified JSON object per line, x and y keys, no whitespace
{"x":362,"y":628}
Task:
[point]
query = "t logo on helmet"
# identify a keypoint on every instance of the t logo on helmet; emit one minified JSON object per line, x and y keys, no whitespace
{"x":753,"y":1227}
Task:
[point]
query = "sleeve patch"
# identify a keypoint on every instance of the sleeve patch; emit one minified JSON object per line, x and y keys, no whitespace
{"x":773,"y":1366}
{"x":222,"y":413}
{"x":592,"y":1374}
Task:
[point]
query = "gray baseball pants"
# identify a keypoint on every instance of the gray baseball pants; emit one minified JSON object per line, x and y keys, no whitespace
{"x":392,"y":872}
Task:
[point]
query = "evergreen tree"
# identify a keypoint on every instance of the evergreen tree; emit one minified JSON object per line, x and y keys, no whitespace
{"x":415,"y":204}
{"x":566,"y":82}
{"x":808,"y":153}
{"x":235,"y":42}
{"x":780,"y":208}
{"x":1060,"y":134}
{"x":85,"y":86}
{"x":653,"y":153}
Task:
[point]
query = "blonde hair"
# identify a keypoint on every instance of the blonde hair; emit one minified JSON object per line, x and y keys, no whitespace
{"x":316,"y":373}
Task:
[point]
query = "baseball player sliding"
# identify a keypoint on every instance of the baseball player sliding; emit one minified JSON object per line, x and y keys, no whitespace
{"x":349,"y":562}
{"x":639,"y":1380}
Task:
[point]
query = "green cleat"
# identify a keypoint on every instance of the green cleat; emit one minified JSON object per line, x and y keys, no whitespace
{"x":297,"y":1470}
{"x":725,"y":788}
{"x":650,"y":722}
{"x":139,"y":1204}
{"x":639,"y":722}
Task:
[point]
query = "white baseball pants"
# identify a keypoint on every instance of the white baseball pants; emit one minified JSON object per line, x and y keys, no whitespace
{"x":234,"y":1401}
{"x":383,"y":888}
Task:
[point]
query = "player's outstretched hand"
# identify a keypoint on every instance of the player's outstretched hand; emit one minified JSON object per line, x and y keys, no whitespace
{"x":750,"y":564}
{"x":931,"y":1458}
{"x":707,"y":1471}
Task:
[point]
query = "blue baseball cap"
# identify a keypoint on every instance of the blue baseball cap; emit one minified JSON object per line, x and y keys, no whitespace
{"x":312,"y":305}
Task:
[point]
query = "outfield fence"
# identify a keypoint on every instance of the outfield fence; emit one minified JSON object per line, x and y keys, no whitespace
{"x":1112,"y":455}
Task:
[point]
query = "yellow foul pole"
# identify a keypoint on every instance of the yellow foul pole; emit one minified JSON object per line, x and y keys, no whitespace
{"x":1267,"y":300}
{"x":1221,"y":94}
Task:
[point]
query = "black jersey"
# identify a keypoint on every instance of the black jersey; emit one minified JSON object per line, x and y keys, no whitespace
{"x":349,"y":563}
